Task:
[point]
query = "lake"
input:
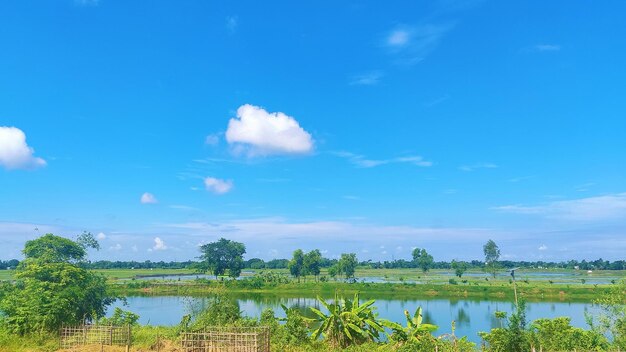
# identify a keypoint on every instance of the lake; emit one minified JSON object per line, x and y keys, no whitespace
{"x":471,"y":316}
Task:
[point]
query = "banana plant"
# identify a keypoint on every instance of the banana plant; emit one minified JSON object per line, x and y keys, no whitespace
{"x":415,"y":328}
{"x":348,"y":322}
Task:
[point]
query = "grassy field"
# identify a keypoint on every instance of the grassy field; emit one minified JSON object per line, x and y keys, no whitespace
{"x":536,"y":285}
{"x":6,"y":274}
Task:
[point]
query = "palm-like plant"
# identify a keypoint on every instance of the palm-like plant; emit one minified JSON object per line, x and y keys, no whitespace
{"x":348,"y":322}
{"x":415,"y":329}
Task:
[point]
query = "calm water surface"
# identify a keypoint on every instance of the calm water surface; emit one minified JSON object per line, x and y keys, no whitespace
{"x":471,"y":316}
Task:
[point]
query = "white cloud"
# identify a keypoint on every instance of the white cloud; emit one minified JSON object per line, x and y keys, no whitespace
{"x":543,"y":247}
{"x":212,"y":139}
{"x":148,"y":198}
{"x":411,"y":44}
{"x":608,"y":207}
{"x":398,"y":37}
{"x":218,"y":186}
{"x":256,"y":132}
{"x":101,"y":236}
{"x":14,"y":152}
{"x":363,"y":162}
{"x":159,"y":245}
{"x":367,"y":79}
{"x":478,"y":166}
{"x":116,"y":247}
{"x":547,"y":47}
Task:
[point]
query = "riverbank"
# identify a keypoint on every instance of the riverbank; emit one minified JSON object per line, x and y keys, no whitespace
{"x":495,"y":291}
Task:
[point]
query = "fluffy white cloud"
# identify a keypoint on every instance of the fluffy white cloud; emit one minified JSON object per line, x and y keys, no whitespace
{"x":148,"y":198}
{"x":101,"y":236}
{"x":543,"y":247}
{"x":600,"y":208}
{"x":14,"y":152}
{"x":218,"y":186}
{"x":256,"y":132}
{"x":159,"y":245}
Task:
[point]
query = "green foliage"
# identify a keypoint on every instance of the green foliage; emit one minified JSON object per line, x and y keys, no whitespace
{"x":415,"y":329}
{"x":296,"y":264}
{"x":54,"y":249}
{"x":512,"y":338}
{"x":120,"y":317}
{"x":492,"y":254}
{"x":348,"y":322}
{"x":52,"y":289}
{"x":217,"y":257}
{"x":87,"y":240}
{"x":422,"y":259}
{"x":313,"y":262}
{"x":347,"y":264}
{"x":220,"y":311}
{"x":558,"y":335}
{"x":296,"y":326}
{"x":459,"y":267}
{"x":612,"y":318}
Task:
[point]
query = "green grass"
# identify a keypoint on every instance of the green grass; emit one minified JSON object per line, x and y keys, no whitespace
{"x":6,"y":274}
{"x":116,"y":274}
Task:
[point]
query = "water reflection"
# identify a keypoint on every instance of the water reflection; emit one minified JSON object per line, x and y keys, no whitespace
{"x":471,"y":316}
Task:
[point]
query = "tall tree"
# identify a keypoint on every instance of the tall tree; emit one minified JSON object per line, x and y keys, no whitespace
{"x":422,"y":259}
{"x":347,"y":264}
{"x":459,"y":267}
{"x":296,"y":264}
{"x":312,"y":263}
{"x":217,"y":257}
{"x":492,"y":254}
{"x":52,"y":288}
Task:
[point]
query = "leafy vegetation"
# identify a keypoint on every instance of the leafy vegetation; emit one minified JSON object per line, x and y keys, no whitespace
{"x":348,"y":322}
{"x":217,"y":257}
{"x":492,"y":254}
{"x":52,"y":288}
{"x":423,"y":260}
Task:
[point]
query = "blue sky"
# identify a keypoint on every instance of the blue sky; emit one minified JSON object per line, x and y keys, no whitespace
{"x":364,"y":127}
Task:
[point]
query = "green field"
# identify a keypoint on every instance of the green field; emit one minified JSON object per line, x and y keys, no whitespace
{"x":537,"y":285}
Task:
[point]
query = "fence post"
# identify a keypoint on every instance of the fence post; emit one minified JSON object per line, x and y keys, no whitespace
{"x":128,"y":338}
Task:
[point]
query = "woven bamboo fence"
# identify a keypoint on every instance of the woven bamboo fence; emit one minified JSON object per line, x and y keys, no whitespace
{"x":227,"y":339}
{"x":104,"y":335}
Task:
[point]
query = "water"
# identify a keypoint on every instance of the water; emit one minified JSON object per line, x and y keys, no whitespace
{"x":471,"y":316}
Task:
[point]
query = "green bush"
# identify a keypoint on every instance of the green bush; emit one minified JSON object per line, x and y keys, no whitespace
{"x":558,"y":335}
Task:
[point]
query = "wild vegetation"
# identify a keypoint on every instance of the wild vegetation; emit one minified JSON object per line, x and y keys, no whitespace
{"x":52,"y":287}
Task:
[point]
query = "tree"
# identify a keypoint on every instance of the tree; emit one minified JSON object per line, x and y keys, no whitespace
{"x":296,"y":264}
{"x":312,"y":263}
{"x":422,"y":259}
{"x":492,"y":254}
{"x":52,"y":288}
{"x":217,"y":257}
{"x":347,"y":264}
{"x":459,"y":267}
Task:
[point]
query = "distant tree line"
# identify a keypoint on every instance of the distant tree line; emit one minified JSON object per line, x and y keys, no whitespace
{"x":257,"y":263}
{"x":9,"y":264}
